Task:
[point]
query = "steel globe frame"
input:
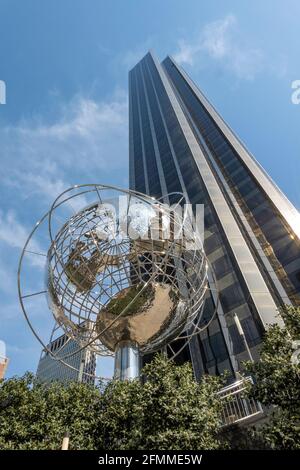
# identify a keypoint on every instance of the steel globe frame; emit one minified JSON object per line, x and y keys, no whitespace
{"x":192,"y":325}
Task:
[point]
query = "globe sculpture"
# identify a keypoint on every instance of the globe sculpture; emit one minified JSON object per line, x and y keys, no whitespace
{"x":125,"y":275}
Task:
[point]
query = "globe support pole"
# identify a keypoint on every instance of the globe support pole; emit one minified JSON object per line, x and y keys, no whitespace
{"x":127,"y":361}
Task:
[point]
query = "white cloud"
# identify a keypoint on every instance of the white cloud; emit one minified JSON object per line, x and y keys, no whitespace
{"x":7,"y":280}
{"x":14,"y":235}
{"x":220,"y":41}
{"x":12,"y":232}
{"x":84,"y":118}
{"x":87,"y":139}
{"x":216,"y":37}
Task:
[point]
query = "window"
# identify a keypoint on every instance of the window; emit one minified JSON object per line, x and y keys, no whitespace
{"x":231,"y":297}
{"x":222,"y":266}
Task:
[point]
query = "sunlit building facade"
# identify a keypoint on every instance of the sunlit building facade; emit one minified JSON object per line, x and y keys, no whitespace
{"x":3,"y":366}
{"x":179,"y":143}
{"x":81,"y":364}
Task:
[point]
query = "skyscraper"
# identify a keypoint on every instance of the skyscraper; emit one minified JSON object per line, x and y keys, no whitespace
{"x":3,"y":366}
{"x":81,"y":364}
{"x":179,"y":143}
{"x":3,"y":359}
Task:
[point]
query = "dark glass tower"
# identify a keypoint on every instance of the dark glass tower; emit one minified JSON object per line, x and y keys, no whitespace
{"x":178,"y":142}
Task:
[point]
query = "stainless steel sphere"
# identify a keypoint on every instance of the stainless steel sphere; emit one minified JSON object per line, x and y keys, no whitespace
{"x":125,"y":268}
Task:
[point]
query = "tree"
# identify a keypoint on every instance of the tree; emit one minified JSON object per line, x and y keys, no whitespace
{"x":167,"y":409}
{"x":33,"y":416}
{"x":277,"y":383}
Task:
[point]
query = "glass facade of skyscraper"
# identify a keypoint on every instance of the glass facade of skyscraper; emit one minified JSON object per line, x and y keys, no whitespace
{"x":179,"y":143}
{"x":81,"y":364}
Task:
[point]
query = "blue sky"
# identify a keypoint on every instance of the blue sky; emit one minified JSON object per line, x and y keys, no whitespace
{"x":65,"y":65}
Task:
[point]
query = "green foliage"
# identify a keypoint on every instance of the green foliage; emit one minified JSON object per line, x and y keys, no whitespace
{"x":243,"y":438}
{"x":164,"y":410}
{"x":33,"y":416}
{"x":167,"y":409}
{"x":277,"y":383}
